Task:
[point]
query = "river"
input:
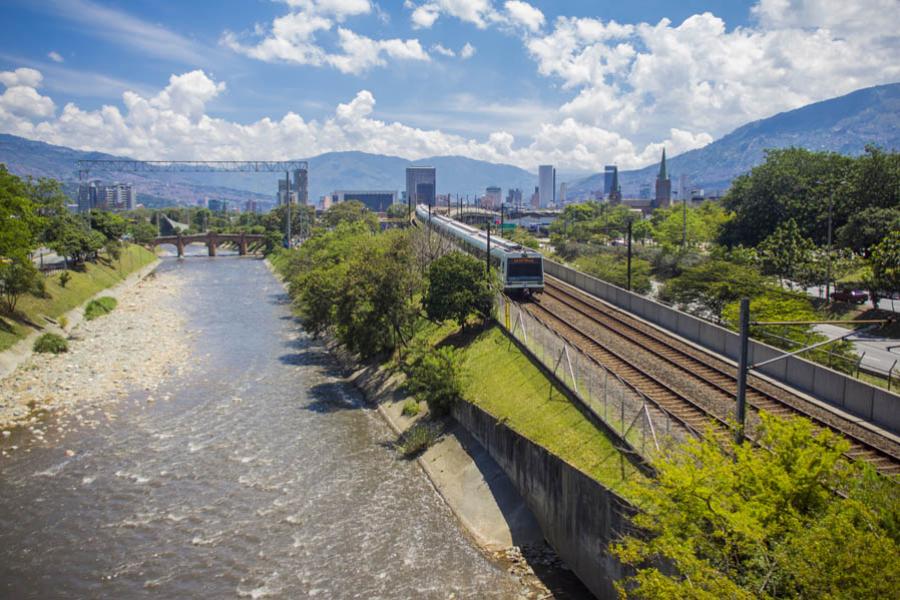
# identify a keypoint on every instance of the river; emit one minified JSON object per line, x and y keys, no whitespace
{"x":262,"y":475}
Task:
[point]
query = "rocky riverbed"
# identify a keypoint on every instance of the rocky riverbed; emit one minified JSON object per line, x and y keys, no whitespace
{"x":140,"y":345}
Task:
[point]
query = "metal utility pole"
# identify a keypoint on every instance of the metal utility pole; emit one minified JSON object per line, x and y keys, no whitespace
{"x":487,"y":270}
{"x":684,"y":222}
{"x":828,"y":263}
{"x":287,"y":202}
{"x":629,"y":255}
{"x":743,"y":361}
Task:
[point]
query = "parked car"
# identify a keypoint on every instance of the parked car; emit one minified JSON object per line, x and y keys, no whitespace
{"x":856,"y":296}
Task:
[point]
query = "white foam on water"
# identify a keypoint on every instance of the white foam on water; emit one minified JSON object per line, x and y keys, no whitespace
{"x":54,"y":470}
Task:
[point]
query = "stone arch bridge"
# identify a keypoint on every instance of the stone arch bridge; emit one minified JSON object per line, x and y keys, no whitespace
{"x":245,"y":242}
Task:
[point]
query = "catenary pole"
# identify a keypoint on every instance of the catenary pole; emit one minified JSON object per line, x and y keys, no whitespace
{"x":741,"y":413}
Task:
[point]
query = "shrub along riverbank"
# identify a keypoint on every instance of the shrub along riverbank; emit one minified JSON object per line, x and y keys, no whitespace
{"x":80,"y":285}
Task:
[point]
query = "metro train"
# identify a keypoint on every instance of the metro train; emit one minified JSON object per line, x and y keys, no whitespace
{"x":521,"y":268}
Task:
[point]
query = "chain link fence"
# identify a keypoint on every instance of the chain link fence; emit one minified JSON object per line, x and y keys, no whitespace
{"x":646,"y":428}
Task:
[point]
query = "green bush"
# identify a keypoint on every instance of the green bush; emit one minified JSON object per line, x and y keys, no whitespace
{"x":410,"y":408}
{"x":99,"y":307}
{"x":52,"y":343}
{"x":435,"y":376}
{"x":417,"y":438}
{"x":64,"y":278}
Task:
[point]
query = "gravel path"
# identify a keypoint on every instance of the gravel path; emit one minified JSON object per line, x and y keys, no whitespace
{"x":140,"y":344}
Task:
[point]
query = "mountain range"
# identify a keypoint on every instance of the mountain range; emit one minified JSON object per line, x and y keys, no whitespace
{"x":845,"y":124}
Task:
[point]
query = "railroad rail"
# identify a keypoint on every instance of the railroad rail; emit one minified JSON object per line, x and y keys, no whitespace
{"x":712,"y":376}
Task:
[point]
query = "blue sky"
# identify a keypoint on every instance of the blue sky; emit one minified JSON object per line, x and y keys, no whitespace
{"x":579,"y":83}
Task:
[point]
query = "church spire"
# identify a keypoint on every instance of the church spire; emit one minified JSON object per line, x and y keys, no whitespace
{"x":662,"y":166}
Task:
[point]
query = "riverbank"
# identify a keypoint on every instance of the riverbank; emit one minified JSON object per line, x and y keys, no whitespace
{"x":62,"y":300}
{"x":139,"y":345}
{"x":473,"y":486}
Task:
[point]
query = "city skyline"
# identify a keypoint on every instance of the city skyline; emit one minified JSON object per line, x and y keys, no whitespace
{"x":574,"y":84}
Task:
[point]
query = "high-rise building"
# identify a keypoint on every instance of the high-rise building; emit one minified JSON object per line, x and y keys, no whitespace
{"x":95,"y":195}
{"x":301,"y":186}
{"x":615,"y":190}
{"x":644,"y":192}
{"x":283,"y":194}
{"x":547,"y":185}
{"x":663,"y":185}
{"x":536,"y":197}
{"x":421,"y":185}
{"x":493,"y":197}
{"x":375,"y":200}
{"x":563,"y":188}
{"x":219,"y":206}
{"x":514,"y":197}
{"x":609,"y":172}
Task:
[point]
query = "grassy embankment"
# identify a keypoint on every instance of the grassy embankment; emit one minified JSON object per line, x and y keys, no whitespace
{"x":81,"y":286}
{"x":504,"y":382}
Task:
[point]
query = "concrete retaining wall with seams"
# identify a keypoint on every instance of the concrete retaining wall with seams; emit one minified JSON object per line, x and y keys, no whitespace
{"x":578,"y":516}
{"x":875,"y":405}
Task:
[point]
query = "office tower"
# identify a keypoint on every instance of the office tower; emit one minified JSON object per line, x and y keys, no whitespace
{"x":610,"y":172}
{"x":493,"y":197}
{"x":421,"y":185}
{"x":375,"y":200}
{"x":547,"y":185}
{"x":563,"y":188}
{"x":536,"y":197}
{"x":514,"y":197}
{"x":301,"y":186}
{"x":615,"y":190}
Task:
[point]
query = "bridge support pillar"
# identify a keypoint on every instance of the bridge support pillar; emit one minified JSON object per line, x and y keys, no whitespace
{"x":211,"y":243}
{"x":242,"y":246}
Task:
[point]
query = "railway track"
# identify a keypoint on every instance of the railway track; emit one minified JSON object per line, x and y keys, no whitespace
{"x":713,"y":377}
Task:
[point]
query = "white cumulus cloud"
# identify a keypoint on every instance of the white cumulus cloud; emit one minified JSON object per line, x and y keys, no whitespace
{"x":524,"y":14}
{"x":55,"y":56}
{"x":293,"y":38}
{"x":467,"y":51}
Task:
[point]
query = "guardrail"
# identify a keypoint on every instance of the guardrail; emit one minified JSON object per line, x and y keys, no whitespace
{"x":875,"y":405}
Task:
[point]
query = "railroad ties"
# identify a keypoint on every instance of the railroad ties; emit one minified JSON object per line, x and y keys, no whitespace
{"x":690,"y":384}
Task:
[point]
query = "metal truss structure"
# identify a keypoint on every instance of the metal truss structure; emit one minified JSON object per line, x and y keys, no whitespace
{"x":85,"y":167}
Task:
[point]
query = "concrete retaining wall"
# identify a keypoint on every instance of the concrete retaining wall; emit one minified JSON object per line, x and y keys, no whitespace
{"x":873,"y":404}
{"x":577,"y":515}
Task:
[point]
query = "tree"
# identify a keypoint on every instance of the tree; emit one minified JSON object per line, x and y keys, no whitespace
{"x":713,"y":284}
{"x":767,"y":521}
{"x":614,"y":269}
{"x":398,"y":210}
{"x":18,"y":276}
{"x":885,"y":262}
{"x":780,"y":305}
{"x":786,"y":253}
{"x":350,"y":211}
{"x":69,"y":237}
{"x":865,"y":228}
{"x":142,"y":232}
{"x":19,"y":222}
{"x":110,"y":225}
{"x":457,"y":288}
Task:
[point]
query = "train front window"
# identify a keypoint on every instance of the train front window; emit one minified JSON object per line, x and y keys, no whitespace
{"x":523,"y":268}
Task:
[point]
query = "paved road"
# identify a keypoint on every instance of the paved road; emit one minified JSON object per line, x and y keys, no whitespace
{"x":880,"y":353}
{"x":883,"y":304}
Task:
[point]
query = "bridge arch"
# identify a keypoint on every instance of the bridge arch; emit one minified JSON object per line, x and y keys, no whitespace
{"x":212,"y":240}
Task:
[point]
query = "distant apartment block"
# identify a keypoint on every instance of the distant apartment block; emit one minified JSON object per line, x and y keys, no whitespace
{"x":375,"y":200}
{"x":218,"y":206}
{"x":94,"y":195}
{"x":421,"y":185}
{"x":536,"y":197}
{"x":301,"y":186}
{"x":547,"y":185}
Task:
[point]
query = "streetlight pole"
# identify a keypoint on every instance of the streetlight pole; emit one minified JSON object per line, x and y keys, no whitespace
{"x":743,"y":361}
{"x":487,"y":265}
{"x":629,"y":255}
{"x":287,"y":202}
